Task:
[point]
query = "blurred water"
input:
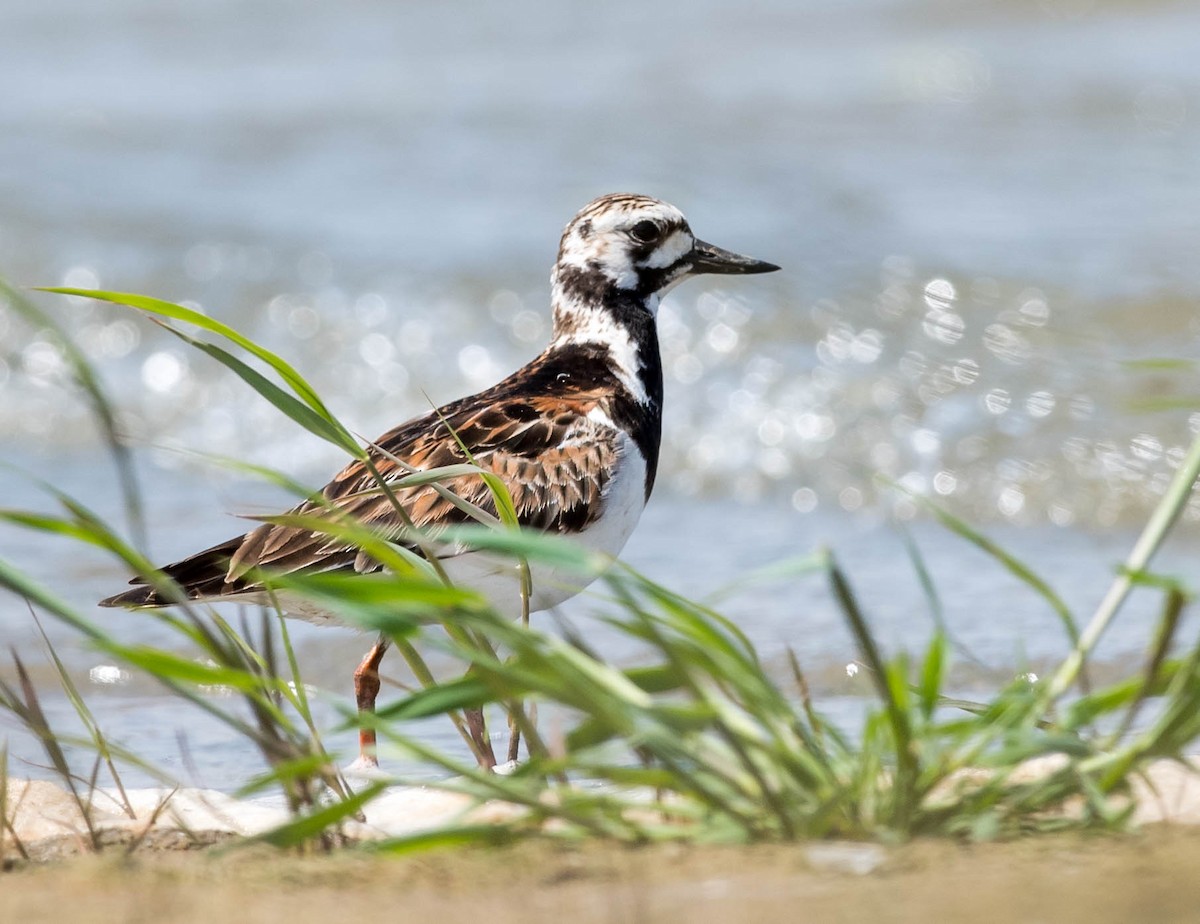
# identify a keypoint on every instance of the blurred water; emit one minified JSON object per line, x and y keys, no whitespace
{"x":983,"y":210}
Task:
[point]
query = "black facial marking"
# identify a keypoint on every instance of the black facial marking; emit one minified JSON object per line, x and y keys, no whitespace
{"x":585,"y":285}
{"x":585,"y":229}
{"x":651,"y":279}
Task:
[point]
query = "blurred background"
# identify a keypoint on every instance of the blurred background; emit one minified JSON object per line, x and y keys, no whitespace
{"x":984,"y":211}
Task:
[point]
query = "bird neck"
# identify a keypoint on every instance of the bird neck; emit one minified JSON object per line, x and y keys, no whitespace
{"x":590,"y":308}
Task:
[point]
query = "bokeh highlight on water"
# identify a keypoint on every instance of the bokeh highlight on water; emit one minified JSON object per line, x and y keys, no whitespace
{"x":983,"y":212}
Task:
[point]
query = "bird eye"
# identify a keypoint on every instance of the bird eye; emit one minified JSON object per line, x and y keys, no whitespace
{"x":645,"y":232}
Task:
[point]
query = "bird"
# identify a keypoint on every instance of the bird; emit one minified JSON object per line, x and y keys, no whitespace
{"x":574,"y":435}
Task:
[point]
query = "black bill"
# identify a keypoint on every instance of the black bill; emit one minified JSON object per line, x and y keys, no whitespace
{"x":709,"y":259}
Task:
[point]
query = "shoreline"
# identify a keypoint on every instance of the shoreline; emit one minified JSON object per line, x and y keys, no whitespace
{"x":1070,"y":877}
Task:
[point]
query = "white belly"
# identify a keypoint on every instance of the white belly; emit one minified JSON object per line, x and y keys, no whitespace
{"x":498,"y":579}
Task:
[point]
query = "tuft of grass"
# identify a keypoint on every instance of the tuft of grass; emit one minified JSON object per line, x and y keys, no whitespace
{"x":222,"y":658}
{"x":703,"y":744}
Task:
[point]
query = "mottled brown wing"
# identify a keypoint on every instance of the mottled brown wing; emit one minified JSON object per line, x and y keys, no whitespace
{"x":554,"y":459}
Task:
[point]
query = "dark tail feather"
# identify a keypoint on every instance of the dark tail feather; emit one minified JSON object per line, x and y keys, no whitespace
{"x":200,"y":575}
{"x":139,"y":596}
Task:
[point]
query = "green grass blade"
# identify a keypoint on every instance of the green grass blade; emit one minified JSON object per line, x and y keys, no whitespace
{"x":315,"y":824}
{"x":933,"y":672}
{"x":315,"y":422}
{"x":1165,"y":364}
{"x":464,"y":693}
{"x":102,"y":407}
{"x":198,"y":319}
{"x":1164,"y":403}
{"x":98,"y":738}
{"x":440,"y":838}
{"x":1014,"y":566}
{"x":1161,"y":521}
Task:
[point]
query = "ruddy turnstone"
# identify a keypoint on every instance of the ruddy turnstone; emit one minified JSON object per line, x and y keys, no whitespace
{"x":574,"y":434}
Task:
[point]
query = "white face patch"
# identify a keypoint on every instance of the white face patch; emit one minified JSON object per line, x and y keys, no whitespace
{"x":670,"y":251}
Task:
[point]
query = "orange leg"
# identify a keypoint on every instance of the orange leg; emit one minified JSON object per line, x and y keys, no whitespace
{"x":366,"y":688}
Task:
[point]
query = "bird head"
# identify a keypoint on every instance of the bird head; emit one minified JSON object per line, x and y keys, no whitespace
{"x":626,"y":244}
